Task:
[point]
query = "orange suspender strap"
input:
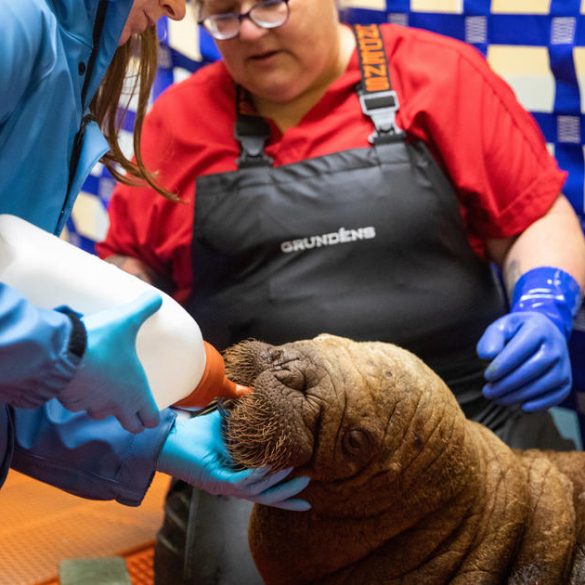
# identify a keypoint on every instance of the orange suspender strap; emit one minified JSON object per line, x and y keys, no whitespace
{"x":377,"y":98}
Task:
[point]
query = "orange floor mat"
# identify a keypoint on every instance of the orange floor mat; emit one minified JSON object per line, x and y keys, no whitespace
{"x":42,"y":526}
{"x":140,"y":567}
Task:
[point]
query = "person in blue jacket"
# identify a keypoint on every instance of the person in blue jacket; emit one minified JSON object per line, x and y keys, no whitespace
{"x":67,"y":416}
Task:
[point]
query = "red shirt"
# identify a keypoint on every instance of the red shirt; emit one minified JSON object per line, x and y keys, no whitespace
{"x":489,"y":146}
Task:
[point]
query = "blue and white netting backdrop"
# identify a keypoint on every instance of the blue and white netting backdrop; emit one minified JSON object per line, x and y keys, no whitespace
{"x":537,"y":46}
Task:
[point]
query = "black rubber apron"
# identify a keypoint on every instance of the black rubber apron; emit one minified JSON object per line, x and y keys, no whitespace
{"x":366,"y":243}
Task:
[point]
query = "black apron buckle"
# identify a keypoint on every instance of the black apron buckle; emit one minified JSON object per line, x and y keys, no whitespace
{"x":252,"y":133}
{"x":381,"y":108}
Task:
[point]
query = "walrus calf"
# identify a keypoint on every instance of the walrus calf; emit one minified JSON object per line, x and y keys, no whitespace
{"x":404,"y":489}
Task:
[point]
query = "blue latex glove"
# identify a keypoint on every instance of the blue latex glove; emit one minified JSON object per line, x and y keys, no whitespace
{"x":528,"y":347}
{"x":196,"y":453}
{"x":110,"y":379}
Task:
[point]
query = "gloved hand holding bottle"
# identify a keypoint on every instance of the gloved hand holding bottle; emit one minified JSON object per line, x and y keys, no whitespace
{"x":110,"y":379}
{"x":528,"y":348}
{"x":195,"y":452}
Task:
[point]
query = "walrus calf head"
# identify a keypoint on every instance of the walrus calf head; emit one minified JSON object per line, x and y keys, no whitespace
{"x":404,"y":489}
{"x":341,"y":411}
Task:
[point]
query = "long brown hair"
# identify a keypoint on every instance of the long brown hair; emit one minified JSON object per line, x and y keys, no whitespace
{"x":110,"y":113}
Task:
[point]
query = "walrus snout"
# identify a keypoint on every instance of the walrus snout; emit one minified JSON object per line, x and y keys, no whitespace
{"x":274,"y":426}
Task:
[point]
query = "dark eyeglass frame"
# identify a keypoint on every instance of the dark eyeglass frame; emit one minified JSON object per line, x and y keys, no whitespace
{"x":242,"y":16}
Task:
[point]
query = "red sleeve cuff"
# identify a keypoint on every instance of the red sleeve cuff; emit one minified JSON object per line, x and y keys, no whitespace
{"x":528,"y":207}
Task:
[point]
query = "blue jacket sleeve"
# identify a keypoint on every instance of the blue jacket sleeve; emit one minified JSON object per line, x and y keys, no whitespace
{"x":94,"y":459}
{"x":35,"y":361}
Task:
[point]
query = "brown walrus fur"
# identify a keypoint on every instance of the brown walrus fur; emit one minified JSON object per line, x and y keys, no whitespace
{"x":404,"y":489}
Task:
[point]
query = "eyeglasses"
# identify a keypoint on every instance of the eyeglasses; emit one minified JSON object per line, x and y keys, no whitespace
{"x":265,"y":14}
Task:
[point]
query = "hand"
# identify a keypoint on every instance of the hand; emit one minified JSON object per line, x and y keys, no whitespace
{"x":110,"y":379}
{"x":196,"y":453}
{"x":530,"y":366}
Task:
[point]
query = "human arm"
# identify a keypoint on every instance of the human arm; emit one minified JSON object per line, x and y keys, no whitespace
{"x":555,"y":239}
{"x":99,"y":460}
{"x":150,"y":238}
{"x":90,"y":458}
{"x":506,"y":181}
{"x":36,"y":362}
{"x":49,"y":353}
{"x":141,"y":270}
{"x":544,"y":272}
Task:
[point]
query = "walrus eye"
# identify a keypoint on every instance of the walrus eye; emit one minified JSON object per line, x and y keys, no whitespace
{"x":355,"y":442}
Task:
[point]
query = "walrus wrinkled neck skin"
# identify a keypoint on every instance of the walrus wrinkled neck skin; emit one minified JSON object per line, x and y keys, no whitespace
{"x":404,"y":490}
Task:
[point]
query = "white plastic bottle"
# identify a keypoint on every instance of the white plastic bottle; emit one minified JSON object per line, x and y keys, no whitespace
{"x":181,"y":368}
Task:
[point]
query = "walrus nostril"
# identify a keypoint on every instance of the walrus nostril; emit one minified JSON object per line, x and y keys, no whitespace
{"x":292,"y":378}
{"x":356,"y":442}
{"x":272,"y":355}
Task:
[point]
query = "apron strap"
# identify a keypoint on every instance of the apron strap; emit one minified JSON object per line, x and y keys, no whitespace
{"x":252,"y":133}
{"x":377,"y":98}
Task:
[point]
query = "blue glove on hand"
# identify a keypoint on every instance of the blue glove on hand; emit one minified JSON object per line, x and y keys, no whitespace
{"x":195,"y":452}
{"x":110,"y":379}
{"x":531,"y":365}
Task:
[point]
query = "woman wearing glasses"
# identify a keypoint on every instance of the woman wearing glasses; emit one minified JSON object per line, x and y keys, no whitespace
{"x":357,"y":183}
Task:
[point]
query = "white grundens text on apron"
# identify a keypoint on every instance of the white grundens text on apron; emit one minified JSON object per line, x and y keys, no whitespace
{"x":341,"y":236}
